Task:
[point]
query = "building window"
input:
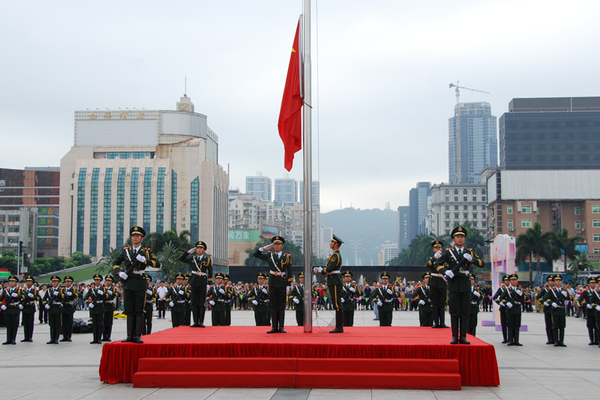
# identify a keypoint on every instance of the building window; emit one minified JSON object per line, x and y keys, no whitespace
{"x":120,"y":206}
{"x":194,"y":208}
{"x":483,"y":224}
{"x":526,"y":223}
{"x":596,"y":223}
{"x":576,"y":210}
{"x":482,"y":191}
{"x":160,"y":200}
{"x":465,"y":191}
{"x":447,"y":231}
{"x":596,"y":237}
{"x":474,"y":198}
{"x":455,"y":208}
{"x":447,"y":223}
{"x":447,"y":191}
{"x":107,"y":211}
{"x":457,"y":215}
{"x":466,"y":215}
{"x":482,"y":198}
{"x":526,"y":209}
{"x":474,"y":191}
{"x":595,"y":209}
{"x":465,"y":198}
{"x":133,"y":195}
{"x":455,"y":191}
{"x":80,"y":208}
{"x":465,"y":208}
{"x":447,"y":215}
{"x":596,"y":250}
{"x":474,"y":215}
{"x":446,"y":207}
{"x":173,"y":199}
{"x":147,"y":197}
{"x":509,"y":223}
{"x":455,"y":198}
{"x":577,"y":224}
{"x":447,"y":198}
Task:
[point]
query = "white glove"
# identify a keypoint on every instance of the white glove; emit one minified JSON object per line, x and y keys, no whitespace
{"x":589,"y":306}
{"x":352,"y":289}
{"x":171,"y":304}
{"x":14,"y":295}
{"x":30,"y":295}
{"x":317,"y":270}
{"x":91,"y":305}
{"x":256,"y":302}
{"x":437,"y":255}
{"x":212,"y":303}
{"x":597,"y":308}
{"x":449,"y":274}
{"x":4,"y":307}
{"x":265,"y":291}
{"x":100,"y":292}
{"x":343,"y":301}
{"x":221,"y":291}
{"x":266,"y":247}
{"x":476,"y":293}
{"x":390,"y":291}
{"x":379,"y":303}
{"x":298,"y":301}
{"x":181,"y":292}
{"x":71,"y":293}
{"x":564,"y":293}
{"x":141,"y":258}
{"x":468,"y":257}
{"x":20,"y":306}
{"x":149,"y":292}
{"x":47,"y":306}
{"x":109,"y":292}
{"x":519,"y":292}
{"x":192,"y":250}
{"x":509,"y":305}
{"x":502,"y":304}
{"x":195,"y":272}
{"x":554,"y":305}
{"x":422,"y":302}
{"x":123,"y":275}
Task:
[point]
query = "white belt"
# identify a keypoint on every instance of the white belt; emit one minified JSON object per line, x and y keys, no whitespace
{"x":388,"y":301}
{"x":464,"y":272}
{"x":138,"y":272}
{"x":199,"y":273}
{"x":437,"y":275}
{"x":277,"y":273}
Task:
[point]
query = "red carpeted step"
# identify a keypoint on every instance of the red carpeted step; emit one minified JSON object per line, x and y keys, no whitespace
{"x":215,"y":379}
{"x":199,"y":364}
{"x":382,"y":380}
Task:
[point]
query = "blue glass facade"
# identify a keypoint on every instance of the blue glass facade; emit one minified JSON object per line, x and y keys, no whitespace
{"x":147,"y":198}
{"x":194,"y":208}
{"x":94,"y":212}
{"x":133,"y":195}
{"x":173,"y":199}
{"x":160,"y":200}
{"x":120,"y":206}
{"x":80,"y":208}
{"x":107,"y":211}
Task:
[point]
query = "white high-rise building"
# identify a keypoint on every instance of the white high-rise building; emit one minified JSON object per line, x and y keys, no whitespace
{"x":259,"y":186}
{"x":286,"y":190}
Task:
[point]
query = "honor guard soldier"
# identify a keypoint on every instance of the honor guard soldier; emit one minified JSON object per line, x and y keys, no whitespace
{"x":12,"y":298}
{"x":281,"y":276}
{"x":349,"y":292}
{"x":130,"y":266}
{"x":110,"y":304}
{"x":95,"y":298}
{"x":588,"y":304}
{"x":438,"y":291}
{"x":297,"y":297}
{"x":595,"y":303}
{"x":259,"y":297}
{"x":454,"y":263}
{"x":556,"y":298}
{"x":227,"y":302}
{"x":151,"y":297}
{"x":217,"y":296}
{"x":475,"y":301}
{"x":177,"y":299}
{"x":52,"y":301}
{"x":547,"y":310}
{"x":187,"y":315}
{"x":333,"y":280}
{"x":497,"y":298}
{"x":71,"y":297}
{"x":423,"y":297}
{"x":201,"y":276}
{"x":384,"y":296}
{"x":30,"y":297}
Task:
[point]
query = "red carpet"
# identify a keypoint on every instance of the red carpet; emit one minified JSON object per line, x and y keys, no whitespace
{"x":349,"y":352}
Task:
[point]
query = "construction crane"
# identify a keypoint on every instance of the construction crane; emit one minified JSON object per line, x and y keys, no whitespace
{"x":458,"y":142}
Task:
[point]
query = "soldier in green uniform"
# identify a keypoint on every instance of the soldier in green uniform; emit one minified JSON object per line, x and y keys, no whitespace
{"x":130,"y":266}
{"x":423,"y":298}
{"x":475,"y":301}
{"x":497,"y":296}
{"x":547,"y":310}
{"x":333,"y":279}
{"x":586,"y":302}
{"x":556,"y":298}
{"x":281,"y":276}
{"x":187,"y":315}
{"x":177,"y":299}
{"x":595,"y":303}
{"x":297,"y":297}
{"x":217,"y":297}
{"x":349,"y":292}
{"x":52,"y":301}
{"x":384,"y":296}
{"x":460,"y":260}
{"x":259,"y":298}
{"x":30,"y":296}
{"x":12,"y":298}
{"x":96,"y":298}
{"x":151,"y":297}
{"x":110,"y":304}
{"x":201,"y":276}
{"x":71,"y":297}
{"x":438,"y":287}
{"x":229,"y":289}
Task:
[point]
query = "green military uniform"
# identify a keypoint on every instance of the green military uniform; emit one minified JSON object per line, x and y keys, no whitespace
{"x":130,"y":266}
{"x":96,"y":298}
{"x":30,"y":296}
{"x":12,"y":298}
{"x":69,"y":306}
{"x":496,"y":298}
{"x":423,"y":298}
{"x":201,"y":276}
{"x":151,"y":297}
{"x":556,"y":298}
{"x":333,"y":280}
{"x":547,"y":310}
{"x":438,"y":288}
{"x":52,"y":302}
{"x":349,"y":292}
{"x":384,"y":296}
{"x":595,"y":303}
{"x":110,"y":304}
{"x":217,"y":296}
{"x":280,"y":277}
{"x":475,"y":301}
{"x":259,"y":298}
{"x":513,"y":299}
{"x":586,"y":302}
{"x":296,"y":295}
{"x":231,"y":291}
{"x":178,"y":298}
{"x":459,"y":286}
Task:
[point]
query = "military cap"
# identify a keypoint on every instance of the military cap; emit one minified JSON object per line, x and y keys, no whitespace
{"x":514,"y":276}
{"x":137,"y":230}
{"x":558,"y":277}
{"x":68,"y":278}
{"x":148,"y":277}
{"x":591,"y":279}
{"x":426,"y":274}
{"x":301,"y":275}
{"x":472,"y":276}
{"x":337,"y":239}
{"x":385,"y":274}
{"x":55,"y":278}
{"x":459,"y":230}
{"x":200,"y":243}
{"x":347,"y":273}
{"x":29,"y":278}
{"x":550,"y":278}
{"x":13,"y":278}
{"x":219,"y":275}
{"x":186,"y":276}
{"x":180,"y":276}
{"x":506,"y":278}
{"x":437,"y":243}
{"x":259,"y":275}
{"x":226,"y":277}
{"x":98,"y":276}
{"x":277,"y":239}
{"x":109,"y":278}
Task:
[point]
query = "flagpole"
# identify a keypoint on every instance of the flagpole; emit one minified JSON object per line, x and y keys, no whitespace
{"x":307,"y":153}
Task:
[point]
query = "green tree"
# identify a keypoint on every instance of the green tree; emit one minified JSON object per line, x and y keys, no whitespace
{"x":565,"y":244}
{"x":107,"y":261}
{"x":532,"y":243}
{"x":78,"y":258}
{"x":157,"y":241}
{"x":8,"y":261}
{"x":578,"y":263}
{"x":168,"y":258}
{"x":289,"y":247}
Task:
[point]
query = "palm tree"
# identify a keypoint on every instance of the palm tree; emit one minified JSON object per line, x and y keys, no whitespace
{"x":168,"y":258}
{"x":532,"y":242}
{"x":566,"y":244}
{"x":158,"y":240}
{"x":107,"y":261}
{"x":579,"y":262}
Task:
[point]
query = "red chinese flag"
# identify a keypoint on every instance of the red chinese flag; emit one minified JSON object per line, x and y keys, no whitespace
{"x":290,"y":116}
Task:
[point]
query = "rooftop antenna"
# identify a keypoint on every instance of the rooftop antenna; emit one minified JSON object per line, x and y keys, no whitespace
{"x":185,"y":86}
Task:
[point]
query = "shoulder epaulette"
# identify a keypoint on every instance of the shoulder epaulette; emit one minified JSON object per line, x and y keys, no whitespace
{"x":449,"y":248}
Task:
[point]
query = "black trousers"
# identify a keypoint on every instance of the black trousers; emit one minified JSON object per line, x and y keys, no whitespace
{"x":335,"y":291}
{"x":438,"y":297}
{"x":277,"y":298}
{"x":162,"y":308}
{"x":460,"y":304}
{"x":134,"y":301}
{"x":198,"y":296}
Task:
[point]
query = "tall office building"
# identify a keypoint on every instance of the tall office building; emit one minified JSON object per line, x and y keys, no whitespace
{"x":418,"y":209}
{"x":551,"y":133}
{"x":156,"y":169}
{"x":453,"y":204}
{"x":472,"y":144}
{"x":315,"y":193}
{"x":286,"y":190}
{"x":259,"y":186}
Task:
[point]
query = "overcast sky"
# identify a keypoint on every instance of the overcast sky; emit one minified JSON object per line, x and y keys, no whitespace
{"x":381,"y":70}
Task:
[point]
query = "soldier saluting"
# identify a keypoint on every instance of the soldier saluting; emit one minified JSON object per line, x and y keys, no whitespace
{"x":201,"y":275}
{"x":130,"y":266}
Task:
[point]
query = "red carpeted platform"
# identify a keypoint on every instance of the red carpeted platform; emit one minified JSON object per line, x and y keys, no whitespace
{"x":361,"y":357}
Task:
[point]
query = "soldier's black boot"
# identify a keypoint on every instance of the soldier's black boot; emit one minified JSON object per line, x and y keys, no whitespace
{"x":107,"y":333}
{"x":597,"y":336}
{"x":8,"y":336}
{"x":550,"y":335}
{"x":442,"y":317}
{"x":139,"y":322}
{"x":95,"y":333}
{"x":561,"y":337}
{"x":339,"y":322}
{"x":454,"y":324}
{"x":516,"y":337}
{"x":592,"y":337}
{"x":195,"y":316}
{"x":202,"y":311}
{"x":274,"y":322}
{"x":56,"y":335}
{"x":130,"y":328}
{"x":26,"y":335}
{"x":51,"y":336}
{"x":64,"y":333}
{"x":510,"y":338}
{"x":281,"y":321}
{"x":148,"y":328}
{"x":436,"y":322}
{"x":464,"y":327}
